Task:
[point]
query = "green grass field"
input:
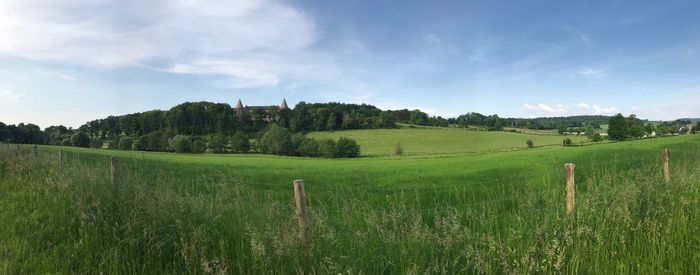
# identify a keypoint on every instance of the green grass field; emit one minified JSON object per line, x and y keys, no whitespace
{"x":434,"y":212}
{"x":442,"y":141}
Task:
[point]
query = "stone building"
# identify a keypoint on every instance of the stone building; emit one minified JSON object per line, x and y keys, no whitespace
{"x":267,"y":112}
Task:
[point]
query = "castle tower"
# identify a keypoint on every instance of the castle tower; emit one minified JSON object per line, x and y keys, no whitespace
{"x":239,"y":110}
{"x":283,"y":106}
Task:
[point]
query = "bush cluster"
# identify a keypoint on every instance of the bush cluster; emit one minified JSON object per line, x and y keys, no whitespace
{"x":280,"y":141}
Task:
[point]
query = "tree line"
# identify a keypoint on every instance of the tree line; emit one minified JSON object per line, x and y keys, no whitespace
{"x":206,"y":126}
{"x":625,"y":128}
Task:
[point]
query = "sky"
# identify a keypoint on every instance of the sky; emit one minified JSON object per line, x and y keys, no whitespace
{"x":69,"y":62}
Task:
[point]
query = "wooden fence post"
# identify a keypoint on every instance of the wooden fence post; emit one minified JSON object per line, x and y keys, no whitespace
{"x":302,"y":214}
{"x":570,"y":189}
{"x":34,"y":149}
{"x":60,"y":160}
{"x":113,"y":165}
{"x":664,"y":158}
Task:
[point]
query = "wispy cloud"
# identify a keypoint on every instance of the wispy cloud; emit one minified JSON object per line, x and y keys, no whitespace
{"x":195,"y":37}
{"x":591,"y":73}
{"x":65,"y":76}
{"x":578,"y":109}
{"x":13,"y":96}
{"x":546,"y":108}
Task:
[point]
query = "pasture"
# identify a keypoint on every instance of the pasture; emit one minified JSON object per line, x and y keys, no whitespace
{"x":423,"y":213}
{"x":421,"y":141}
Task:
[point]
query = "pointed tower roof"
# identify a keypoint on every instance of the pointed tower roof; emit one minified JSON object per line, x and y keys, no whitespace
{"x":239,"y":105}
{"x":284,"y":104}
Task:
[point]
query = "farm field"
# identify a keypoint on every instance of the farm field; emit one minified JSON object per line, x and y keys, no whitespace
{"x":489,"y":213}
{"x":441,"y":141}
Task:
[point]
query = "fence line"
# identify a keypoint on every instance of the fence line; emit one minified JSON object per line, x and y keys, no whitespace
{"x":300,"y":196}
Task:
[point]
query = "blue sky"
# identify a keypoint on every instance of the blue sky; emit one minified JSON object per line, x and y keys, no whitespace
{"x":67,"y":62}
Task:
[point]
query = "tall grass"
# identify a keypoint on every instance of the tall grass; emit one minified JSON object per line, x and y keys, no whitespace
{"x":157,"y":220}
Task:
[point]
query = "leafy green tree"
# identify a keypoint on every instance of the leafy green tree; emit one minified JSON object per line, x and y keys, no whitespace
{"x":331,"y":122}
{"x":137,"y":145}
{"x":562,"y":129}
{"x":347,"y":148}
{"x":635,"y":127}
{"x":618,"y":127}
{"x":566,"y":142}
{"x":96,"y":143}
{"x":326,"y":148}
{"x":530,"y":143}
{"x":181,"y":143}
{"x":80,"y":139}
{"x":349,"y":122}
{"x":418,"y":117}
{"x":597,"y":137}
{"x":308,"y":147}
{"x":125,"y":143}
{"x":240,"y":143}
{"x":277,"y":140}
{"x":218,"y":143}
{"x":199,"y":146}
{"x":589,"y":131}
{"x":66,"y":142}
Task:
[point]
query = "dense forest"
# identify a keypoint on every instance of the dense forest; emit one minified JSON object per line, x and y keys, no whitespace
{"x":215,"y":127}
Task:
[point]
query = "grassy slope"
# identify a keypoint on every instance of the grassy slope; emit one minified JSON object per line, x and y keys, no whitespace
{"x":392,"y":171}
{"x":440,"y":141}
{"x":493,"y":213}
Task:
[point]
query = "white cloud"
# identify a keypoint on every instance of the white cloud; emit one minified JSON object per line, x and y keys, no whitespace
{"x":229,"y":38}
{"x":579,"y":109}
{"x":591,"y":73}
{"x":12,"y":95}
{"x":603,"y":110}
{"x":546,"y":108}
{"x":65,"y":77}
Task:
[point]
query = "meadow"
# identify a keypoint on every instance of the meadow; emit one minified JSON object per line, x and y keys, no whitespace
{"x":421,"y":213}
{"x":444,"y":141}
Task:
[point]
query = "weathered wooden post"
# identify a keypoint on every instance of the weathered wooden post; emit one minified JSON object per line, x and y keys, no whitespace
{"x":302,"y":214}
{"x":664,"y":158}
{"x":113,"y":165}
{"x":60,"y":160}
{"x":570,"y":189}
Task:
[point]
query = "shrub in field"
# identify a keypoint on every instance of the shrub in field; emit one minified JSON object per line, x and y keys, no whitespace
{"x":199,"y":146}
{"x":240,"y":143}
{"x":530,"y":143}
{"x":181,"y":144}
{"x":125,"y":143}
{"x":137,"y":145}
{"x":66,"y":142}
{"x":308,"y":147}
{"x":95,"y":143}
{"x":597,"y":137}
{"x":566,"y":142}
{"x":113,"y":144}
{"x":398,"y":150}
{"x":218,"y":143}
{"x":80,"y":139}
{"x":326,"y":148}
{"x":346,"y":148}
{"x":155,"y":141}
